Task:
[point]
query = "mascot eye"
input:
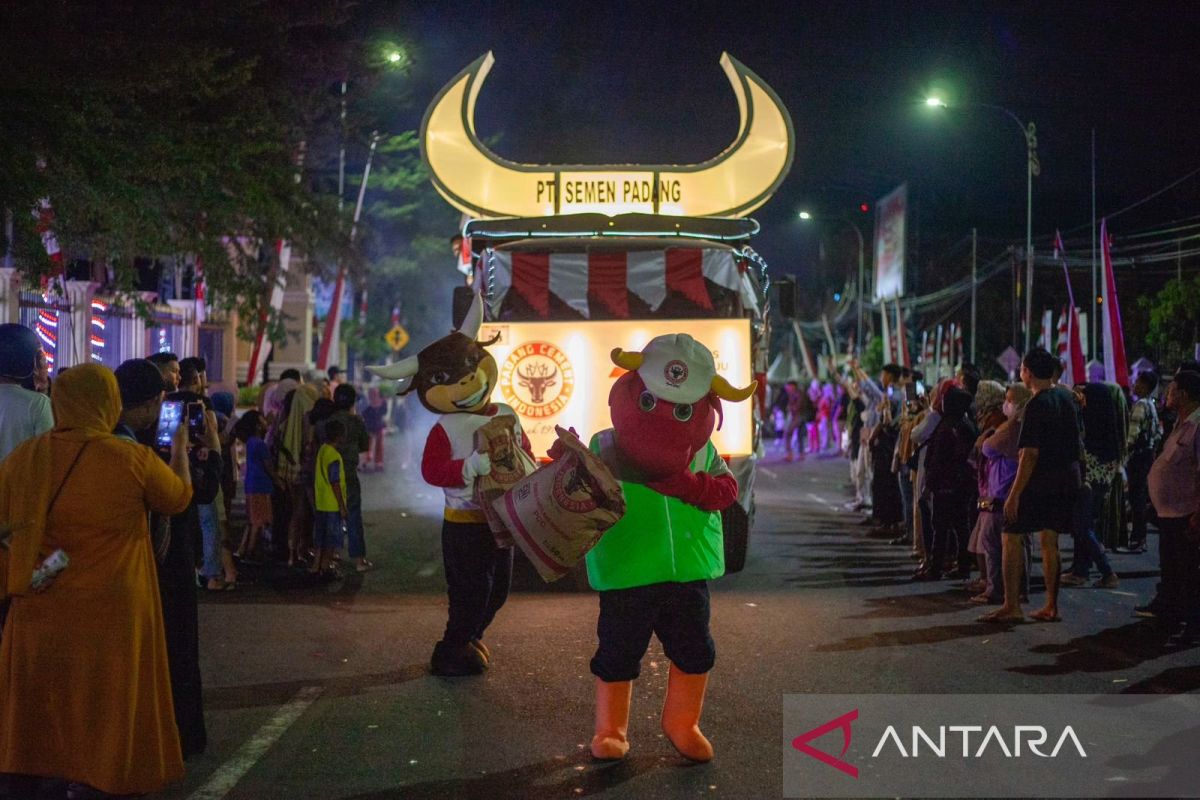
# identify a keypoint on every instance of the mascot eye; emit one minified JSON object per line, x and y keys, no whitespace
{"x":440,"y":377}
{"x":683,"y":412}
{"x":647,"y":401}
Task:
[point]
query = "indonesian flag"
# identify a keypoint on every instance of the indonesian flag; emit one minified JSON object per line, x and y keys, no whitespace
{"x":1060,"y":347}
{"x":262,"y":345}
{"x":926,"y":349}
{"x":1047,"y":339}
{"x":1116,"y":369}
{"x":1075,"y":369}
{"x":947,"y":350}
{"x":44,"y":214}
{"x":901,"y":337}
{"x":960,"y":354}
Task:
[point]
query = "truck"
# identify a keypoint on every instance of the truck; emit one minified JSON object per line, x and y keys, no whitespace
{"x":560,"y":292}
{"x":573,"y":260}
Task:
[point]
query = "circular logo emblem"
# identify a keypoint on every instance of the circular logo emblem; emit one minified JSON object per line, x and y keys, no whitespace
{"x":675,"y":372}
{"x":537,"y":380}
{"x":571,"y":491}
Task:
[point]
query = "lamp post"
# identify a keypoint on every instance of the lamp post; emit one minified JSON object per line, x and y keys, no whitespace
{"x":806,"y":216}
{"x":1032,"y":167}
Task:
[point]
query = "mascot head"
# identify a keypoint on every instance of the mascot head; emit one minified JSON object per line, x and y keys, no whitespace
{"x":666,"y":406}
{"x":454,"y":375}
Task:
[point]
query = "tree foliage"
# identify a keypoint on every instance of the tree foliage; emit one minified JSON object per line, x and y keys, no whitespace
{"x":173,"y":128}
{"x":1174,"y":318}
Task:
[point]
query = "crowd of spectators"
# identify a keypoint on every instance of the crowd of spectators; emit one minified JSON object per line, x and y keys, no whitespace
{"x":968,"y":474}
{"x":105,"y":652}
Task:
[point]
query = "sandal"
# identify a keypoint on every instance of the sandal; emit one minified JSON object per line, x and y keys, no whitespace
{"x":365,"y":566}
{"x":1042,"y":616}
{"x":997,"y":618}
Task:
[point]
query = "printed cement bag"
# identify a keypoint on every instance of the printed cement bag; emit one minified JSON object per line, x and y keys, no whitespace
{"x":509,"y":464}
{"x":559,"y":512}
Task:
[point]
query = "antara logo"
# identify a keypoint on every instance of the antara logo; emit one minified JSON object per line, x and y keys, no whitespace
{"x":1031,"y":737}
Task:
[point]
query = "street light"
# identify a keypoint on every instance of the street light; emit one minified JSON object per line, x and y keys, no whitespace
{"x":1032,"y":167}
{"x":804,"y":215}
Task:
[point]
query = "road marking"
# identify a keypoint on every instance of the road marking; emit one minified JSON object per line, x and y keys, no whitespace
{"x":228,"y":774}
{"x":816,"y":498}
{"x":769,"y":473}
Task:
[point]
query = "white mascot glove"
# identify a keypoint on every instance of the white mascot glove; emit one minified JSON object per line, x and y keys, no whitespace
{"x":475,"y":466}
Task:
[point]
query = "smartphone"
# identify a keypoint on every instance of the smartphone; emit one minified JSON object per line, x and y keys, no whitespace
{"x":910,"y":392}
{"x":196,"y":421}
{"x":920,"y":389}
{"x":891,"y":392}
{"x":169,"y":420}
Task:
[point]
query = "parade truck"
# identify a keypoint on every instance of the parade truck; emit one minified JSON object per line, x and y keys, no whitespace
{"x":561,"y":292}
{"x":573,"y":261}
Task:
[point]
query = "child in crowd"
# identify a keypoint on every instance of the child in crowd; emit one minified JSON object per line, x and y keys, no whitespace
{"x":355,"y":442}
{"x":329,"y":498}
{"x":261,"y":479}
{"x":375,"y":418}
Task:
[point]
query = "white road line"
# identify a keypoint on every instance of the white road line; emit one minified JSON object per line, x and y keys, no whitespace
{"x":769,"y":473}
{"x":228,"y":774}
{"x":816,"y":498}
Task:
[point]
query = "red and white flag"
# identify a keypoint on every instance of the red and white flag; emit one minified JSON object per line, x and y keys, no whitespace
{"x":1116,"y":369}
{"x":960,"y":355}
{"x":1075,"y":369}
{"x":1048,"y":337}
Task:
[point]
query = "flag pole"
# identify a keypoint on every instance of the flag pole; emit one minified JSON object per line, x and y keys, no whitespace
{"x":974,"y":287}
{"x":1092,"y":303}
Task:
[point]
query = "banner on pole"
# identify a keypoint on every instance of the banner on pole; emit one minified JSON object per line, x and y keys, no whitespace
{"x":890,"y":231}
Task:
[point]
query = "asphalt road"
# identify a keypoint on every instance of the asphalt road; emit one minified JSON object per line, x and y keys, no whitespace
{"x":323,"y":692}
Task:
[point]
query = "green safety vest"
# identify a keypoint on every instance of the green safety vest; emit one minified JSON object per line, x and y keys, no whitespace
{"x":660,"y":539}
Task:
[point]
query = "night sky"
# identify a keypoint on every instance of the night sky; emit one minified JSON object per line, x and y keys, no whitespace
{"x":613,"y":83}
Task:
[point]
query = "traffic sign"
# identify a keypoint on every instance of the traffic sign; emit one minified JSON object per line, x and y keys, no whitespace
{"x":1010,"y":359}
{"x":397,"y":337}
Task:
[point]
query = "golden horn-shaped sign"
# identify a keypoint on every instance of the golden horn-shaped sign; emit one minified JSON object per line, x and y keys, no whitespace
{"x":480,"y":183}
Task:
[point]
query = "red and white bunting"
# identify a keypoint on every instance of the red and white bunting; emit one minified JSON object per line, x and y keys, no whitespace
{"x":608,"y":277}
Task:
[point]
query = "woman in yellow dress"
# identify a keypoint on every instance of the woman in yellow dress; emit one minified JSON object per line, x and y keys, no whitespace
{"x":85,"y":693}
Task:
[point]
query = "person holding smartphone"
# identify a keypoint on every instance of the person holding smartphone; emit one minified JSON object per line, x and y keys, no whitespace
{"x":176,"y":536}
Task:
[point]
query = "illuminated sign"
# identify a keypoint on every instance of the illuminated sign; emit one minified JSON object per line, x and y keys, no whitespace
{"x":560,"y":373}
{"x":480,"y":183}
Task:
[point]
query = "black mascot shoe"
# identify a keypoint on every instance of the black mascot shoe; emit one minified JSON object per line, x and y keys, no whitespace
{"x":451,"y":661}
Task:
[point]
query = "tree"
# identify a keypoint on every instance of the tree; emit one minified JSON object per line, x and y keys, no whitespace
{"x":1174,"y":326}
{"x":176,"y":128}
{"x":406,"y":249}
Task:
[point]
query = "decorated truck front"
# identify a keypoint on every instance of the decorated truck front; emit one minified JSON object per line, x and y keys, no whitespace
{"x":559,"y":301}
{"x":574,"y":260}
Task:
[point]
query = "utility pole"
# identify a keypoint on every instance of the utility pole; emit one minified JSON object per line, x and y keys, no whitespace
{"x":974,"y":289}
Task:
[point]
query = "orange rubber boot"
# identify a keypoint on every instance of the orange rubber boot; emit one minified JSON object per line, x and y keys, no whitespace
{"x":611,"y":741}
{"x":681,"y":714}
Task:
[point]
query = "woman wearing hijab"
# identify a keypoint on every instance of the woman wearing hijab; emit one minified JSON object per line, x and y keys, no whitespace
{"x":85,"y":691}
{"x":998,"y":469}
{"x":296,"y":468}
{"x":989,"y":415}
{"x":1103,"y":457}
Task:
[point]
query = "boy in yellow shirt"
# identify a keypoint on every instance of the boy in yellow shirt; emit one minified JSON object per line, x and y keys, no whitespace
{"x":330,"y":498}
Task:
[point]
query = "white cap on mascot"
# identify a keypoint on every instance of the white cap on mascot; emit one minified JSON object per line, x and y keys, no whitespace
{"x":678,"y":369}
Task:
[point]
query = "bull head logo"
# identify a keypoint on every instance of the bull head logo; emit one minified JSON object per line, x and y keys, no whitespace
{"x":480,"y":183}
{"x":537,"y":379}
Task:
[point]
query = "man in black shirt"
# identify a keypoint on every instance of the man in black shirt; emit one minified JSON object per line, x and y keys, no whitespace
{"x":1048,"y":478}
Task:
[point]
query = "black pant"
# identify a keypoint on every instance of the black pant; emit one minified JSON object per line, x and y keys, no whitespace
{"x":1179,"y":560}
{"x":478,"y":577}
{"x":1138,"y":470}
{"x":951,"y":533}
{"x":677,"y":613}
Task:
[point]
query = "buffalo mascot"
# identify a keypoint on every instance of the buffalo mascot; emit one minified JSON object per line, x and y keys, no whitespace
{"x":454,"y":378}
{"x":652,"y":568}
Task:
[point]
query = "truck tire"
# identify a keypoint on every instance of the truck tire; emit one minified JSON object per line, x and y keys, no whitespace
{"x":737,"y":524}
